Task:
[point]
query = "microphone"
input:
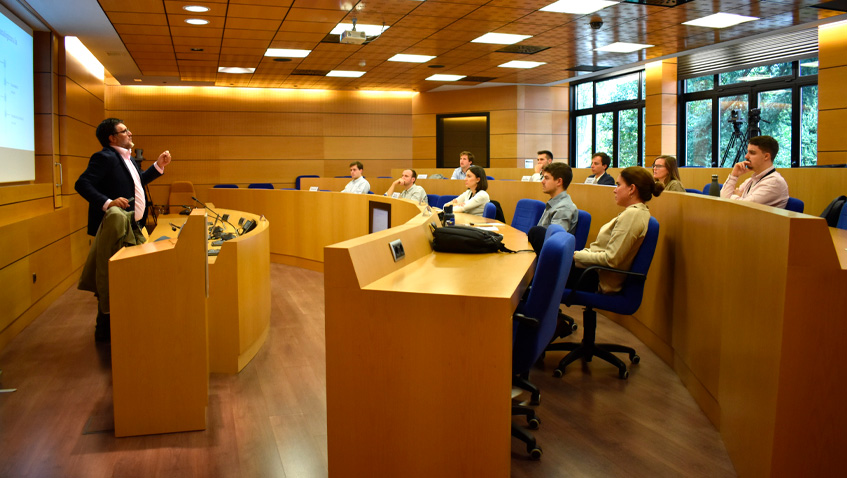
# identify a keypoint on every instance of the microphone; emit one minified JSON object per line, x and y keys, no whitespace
{"x":217,"y":216}
{"x":175,"y":228}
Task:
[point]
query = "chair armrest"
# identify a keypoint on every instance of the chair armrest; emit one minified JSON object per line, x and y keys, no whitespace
{"x":529,"y":321}
{"x":567,"y":300}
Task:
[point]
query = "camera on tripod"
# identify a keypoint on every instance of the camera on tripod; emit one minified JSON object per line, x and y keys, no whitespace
{"x":733,"y":118}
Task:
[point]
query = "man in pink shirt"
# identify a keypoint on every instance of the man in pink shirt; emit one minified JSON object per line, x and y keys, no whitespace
{"x":766,"y":186}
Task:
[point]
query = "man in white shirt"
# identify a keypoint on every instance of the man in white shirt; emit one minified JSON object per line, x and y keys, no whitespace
{"x":766,"y":186}
{"x":410,"y":190}
{"x":544,"y":158}
{"x":465,"y":162}
{"x":599,"y":164}
{"x":358,"y":185}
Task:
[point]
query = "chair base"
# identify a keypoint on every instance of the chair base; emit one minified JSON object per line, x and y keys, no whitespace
{"x":532,"y":422}
{"x":522,"y":382}
{"x":588,"y":349}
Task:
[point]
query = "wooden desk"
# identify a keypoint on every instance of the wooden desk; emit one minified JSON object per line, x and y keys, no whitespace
{"x":160,"y":371}
{"x":239,"y":291}
{"x":419,"y":355}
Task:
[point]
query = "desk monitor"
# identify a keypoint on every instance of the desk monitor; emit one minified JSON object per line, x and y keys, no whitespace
{"x":379,"y":216}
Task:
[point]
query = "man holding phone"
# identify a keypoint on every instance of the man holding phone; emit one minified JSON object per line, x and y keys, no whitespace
{"x":766,"y":186}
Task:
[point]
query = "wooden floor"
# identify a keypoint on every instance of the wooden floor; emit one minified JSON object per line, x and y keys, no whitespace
{"x":270,"y":420}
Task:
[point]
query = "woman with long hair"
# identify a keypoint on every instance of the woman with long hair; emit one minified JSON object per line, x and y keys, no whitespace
{"x":666,"y":171}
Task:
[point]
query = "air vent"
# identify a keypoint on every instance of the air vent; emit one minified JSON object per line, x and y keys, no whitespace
{"x":478,"y":79}
{"x":522,"y":49}
{"x":659,"y":3}
{"x":838,"y":5}
{"x":588,"y":68}
{"x":309,"y":72}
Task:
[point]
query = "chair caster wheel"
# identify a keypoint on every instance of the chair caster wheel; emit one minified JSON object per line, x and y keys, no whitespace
{"x":533,"y":423}
{"x":535,"y":399}
{"x":557,"y":373}
{"x":634,"y":358}
{"x":535,"y":452}
{"x":623,"y":374}
{"x":574,"y":327}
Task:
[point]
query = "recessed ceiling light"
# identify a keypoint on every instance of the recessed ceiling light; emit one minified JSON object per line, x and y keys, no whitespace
{"x":346,"y":73}
{"x":720,"y":20}
{"x":435,"y":66}
{"x":623,"y":47}
{"x":196,"y":21}
{"x":370,"y":30}
{"x":287,"y":53}
{"x":445,"y":77}
{"x":577,"y":7}
{"x":196,"y":8}
{"x":522,"y":64}
{"x":137,"y":79}
{"x":500,"y":38}
{"x":235,"y":69}
{"x":411,"y":58}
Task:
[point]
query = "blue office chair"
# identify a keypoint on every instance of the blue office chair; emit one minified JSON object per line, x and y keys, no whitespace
{"x":706,"y":188}
{"x":490,"y":178}
{"x":583,"y":225}
{"x":225,"y":186}
{"x":794,"y":205}
{"x":432,"y":199}
{"x":383,"y":177}
{"x":527,"y":214}
{"x":370,"y":192}
{"x":490,"y":211}
{"x":694,"y":191}
{"x":444,"y":199}
{"x":842,"y":219}
{"x":344,"y":176}
{"x":534,"y":323}
{"x":297,"y":179}
{"x":260,"y":186}
{"x":625,"y":302}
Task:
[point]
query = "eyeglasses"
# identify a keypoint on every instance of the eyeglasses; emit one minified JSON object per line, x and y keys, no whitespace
{"x":124,"y":131}
{"x":658,"y":166}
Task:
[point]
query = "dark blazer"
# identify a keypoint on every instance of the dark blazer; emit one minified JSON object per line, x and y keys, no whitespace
{"x":106,"y":177}
{"x":606,"y":180}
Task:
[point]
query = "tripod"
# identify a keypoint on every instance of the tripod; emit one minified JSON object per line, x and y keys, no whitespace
{"x":740,"y":140}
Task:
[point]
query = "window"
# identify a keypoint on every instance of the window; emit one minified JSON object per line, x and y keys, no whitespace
{"x":609,"y":117}
{"x":780,"y":100}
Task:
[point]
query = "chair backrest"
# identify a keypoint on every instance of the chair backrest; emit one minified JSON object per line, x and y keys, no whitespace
{"x":527,"y":214}
{"x":794,"y":205}
{"x":583,"y":225}
{"x":297,"y":180}
{"x":181,"y":194}
{"x":633,"y":287}
{"x":432,"y":199}
{"x":842,"y":220}
{"x":344,"y":176}
{"x":490,"y":178}
{"x":260,"y":186}
{"x":693,"y":191}
{"x":706,"y":187}
{"x":444,"y":199}
{"x":542,"y":303}
{"x":490,"y":211}
{"x":225,"y":186}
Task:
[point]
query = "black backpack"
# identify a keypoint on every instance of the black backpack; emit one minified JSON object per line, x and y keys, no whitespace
{"x":467,"y":239}
{"x":833,"y":211}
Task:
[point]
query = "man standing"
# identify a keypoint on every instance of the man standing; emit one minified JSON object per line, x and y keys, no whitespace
{"x":358,"y":185}
{"x":113,"y":185}
{"x":599,"y":164}
{"x":544,"y":158}
{"x":410,"y":190}
{"x":465,"y":162}
{"x":766,"y":186}
{"x":560,"y":209}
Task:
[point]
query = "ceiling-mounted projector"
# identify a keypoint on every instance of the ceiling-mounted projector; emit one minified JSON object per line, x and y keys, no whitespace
{"x":353,"y":37}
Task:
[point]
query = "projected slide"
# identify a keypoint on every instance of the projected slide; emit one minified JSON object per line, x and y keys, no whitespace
{"x":17,"y":140}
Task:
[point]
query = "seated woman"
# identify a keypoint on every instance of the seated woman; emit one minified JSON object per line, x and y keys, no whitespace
{"x":473,"y":200}
{"x":665,"y":171}
{"x":618,"y":240}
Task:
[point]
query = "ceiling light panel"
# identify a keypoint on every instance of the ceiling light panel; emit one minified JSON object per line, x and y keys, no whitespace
{"x":411,"y":58}
{"x":720,"y":20}
{"x":235,"y":70}
{"x":196,"y":21}
{"x":577,"y":7}
{"x":195,"y":8}
{"x":522,"y":64}
{"x":346,"y":73}
{"x":445,"y":77}
{"x":500,"y":38}
{"x":623,"y":47}
{"x":287,"y":53}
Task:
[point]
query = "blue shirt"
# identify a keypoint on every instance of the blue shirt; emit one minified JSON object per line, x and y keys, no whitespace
{"x":560,"y":210}
{"x":458,"y":173}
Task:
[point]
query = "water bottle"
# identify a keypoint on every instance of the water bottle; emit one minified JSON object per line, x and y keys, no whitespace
{"x":714,"y":188}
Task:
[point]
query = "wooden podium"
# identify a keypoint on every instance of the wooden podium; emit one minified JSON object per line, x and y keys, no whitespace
{"x":160,"y":367}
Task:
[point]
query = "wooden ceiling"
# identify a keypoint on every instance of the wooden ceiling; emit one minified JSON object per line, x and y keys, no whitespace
{"x":240,"y":31}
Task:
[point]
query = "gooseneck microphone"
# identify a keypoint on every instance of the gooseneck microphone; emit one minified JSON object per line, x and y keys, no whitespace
{"x":217,"y":216}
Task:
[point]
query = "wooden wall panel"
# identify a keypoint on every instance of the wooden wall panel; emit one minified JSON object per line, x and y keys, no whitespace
{"x":832,"y":107}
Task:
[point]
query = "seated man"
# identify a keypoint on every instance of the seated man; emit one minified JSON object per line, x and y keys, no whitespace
{"x":465,"y":162}
{"x":599,"y":164}
{"x":560,"y":209}
{"x":766,"y":185}
{"x":410,"y":190}
{"x":358,"y":185}
{"x":544,"y":158}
